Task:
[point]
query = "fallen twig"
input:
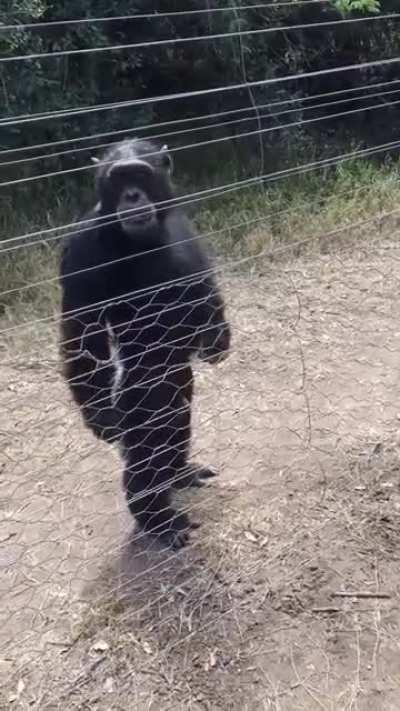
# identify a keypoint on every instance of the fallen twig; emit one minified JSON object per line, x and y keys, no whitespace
{"x":327,"y":609}
{"x":365,"y":594}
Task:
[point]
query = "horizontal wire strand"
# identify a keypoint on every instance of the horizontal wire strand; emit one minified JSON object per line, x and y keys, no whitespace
{"x":199,"y":129}
{"x":198,"y":276}
{"x":191,"y":119}
{"x":63,"y":113}
{"x":264,"y":218}
{"x":198,"y":279}
{"x":196,"y":38}
{"x":156,"y":15}
{"x":208,"y":193}
{"x":200,"y":144}
{"x":201,"y":237}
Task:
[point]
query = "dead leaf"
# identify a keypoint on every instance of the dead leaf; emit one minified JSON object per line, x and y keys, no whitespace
{"x":147,"y":648}
{"x":213,"y":659}
{"x":20,"y":689}
{"x":101,"y":646}
{"x":250,"y":536}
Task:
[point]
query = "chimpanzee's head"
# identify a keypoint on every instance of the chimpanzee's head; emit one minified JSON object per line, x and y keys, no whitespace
{"x":134,"y":183}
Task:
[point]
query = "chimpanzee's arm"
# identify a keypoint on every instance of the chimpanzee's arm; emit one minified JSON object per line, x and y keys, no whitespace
{"x":216,"y":333}
{"x":85,"y":348}
{"x":209,"y":314}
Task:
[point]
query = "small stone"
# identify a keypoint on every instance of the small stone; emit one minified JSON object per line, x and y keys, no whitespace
{"x":109,"y":686}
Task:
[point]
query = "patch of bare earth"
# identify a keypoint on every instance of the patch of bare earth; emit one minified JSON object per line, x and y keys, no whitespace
{"x":302,"y":422}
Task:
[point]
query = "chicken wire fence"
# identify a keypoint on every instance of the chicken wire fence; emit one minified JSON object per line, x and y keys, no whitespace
{"x":286,"y":594}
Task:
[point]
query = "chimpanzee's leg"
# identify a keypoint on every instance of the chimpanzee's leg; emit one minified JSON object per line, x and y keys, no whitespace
{"x":191,"y":474}
{"x":150,"y":504}
{"x":154,"y":448}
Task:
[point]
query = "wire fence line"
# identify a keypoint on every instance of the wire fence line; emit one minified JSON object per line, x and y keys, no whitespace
{"x":195,"y":277}
{"x":176,"y":122}
{"x":97,"y":401}
{"x":158,"y":15}
{"x":183,"y":40}
{"x":204,"y":195}
{"x":207,"y":127}
{"x":212,"y":141}
{"x":17,"y":120}
{"x":298,"y":414}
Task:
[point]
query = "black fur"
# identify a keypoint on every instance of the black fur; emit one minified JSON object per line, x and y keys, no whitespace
{"x":122,"y":295}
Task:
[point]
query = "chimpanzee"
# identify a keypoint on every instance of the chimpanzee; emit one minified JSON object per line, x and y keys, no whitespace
{"x":139,"y":300}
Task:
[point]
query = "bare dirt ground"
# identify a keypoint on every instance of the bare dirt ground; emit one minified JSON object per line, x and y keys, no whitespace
{"x":302,"y":422}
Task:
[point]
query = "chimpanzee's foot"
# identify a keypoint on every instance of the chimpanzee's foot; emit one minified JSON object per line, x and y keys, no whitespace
{"x":170,"y":528}
{"x":192,"y":475}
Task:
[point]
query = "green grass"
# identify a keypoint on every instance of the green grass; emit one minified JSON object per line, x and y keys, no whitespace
{"x":258,"y":220}
{"x":299,"y":208}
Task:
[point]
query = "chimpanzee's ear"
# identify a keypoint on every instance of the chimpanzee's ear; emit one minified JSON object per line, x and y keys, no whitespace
{"x":167,"y":159}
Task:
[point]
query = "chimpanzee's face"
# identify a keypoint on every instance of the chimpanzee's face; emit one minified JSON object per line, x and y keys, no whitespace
{"x":136,"y":186}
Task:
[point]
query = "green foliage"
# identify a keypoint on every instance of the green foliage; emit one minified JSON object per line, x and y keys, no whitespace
{"x":348,"y":6}
{"x":22,"y":10}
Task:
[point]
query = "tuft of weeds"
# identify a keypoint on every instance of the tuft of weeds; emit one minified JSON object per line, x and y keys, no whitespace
{"x":269,"y":217}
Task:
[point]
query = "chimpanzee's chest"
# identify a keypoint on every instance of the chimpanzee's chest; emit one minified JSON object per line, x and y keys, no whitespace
{"x":151,"y":314}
